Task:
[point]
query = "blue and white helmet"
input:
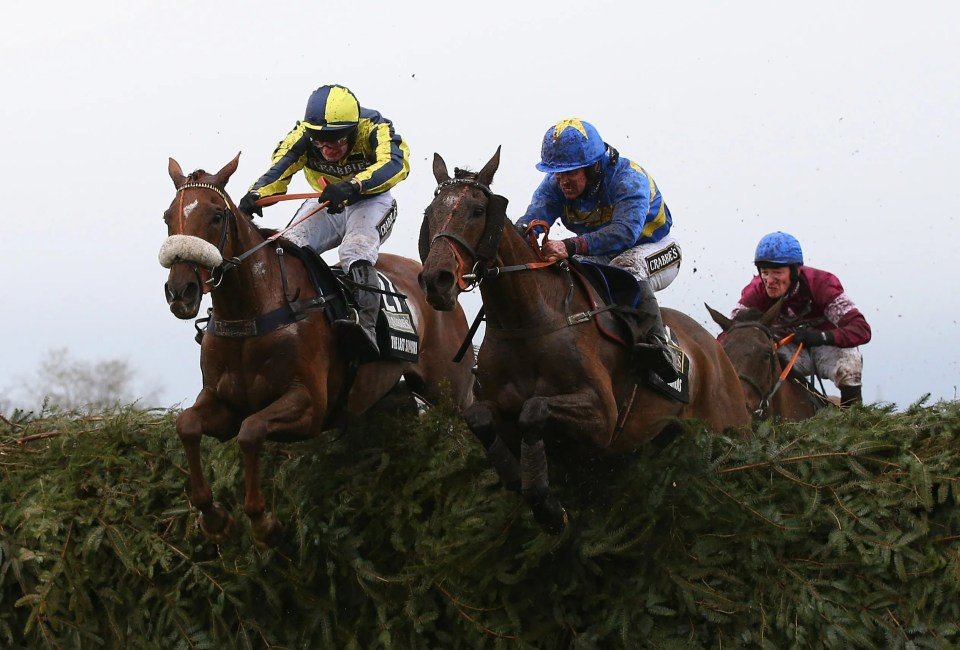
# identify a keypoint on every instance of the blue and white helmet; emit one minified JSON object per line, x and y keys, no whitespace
{"x":778,"y":249}
{"x":570,"y":144}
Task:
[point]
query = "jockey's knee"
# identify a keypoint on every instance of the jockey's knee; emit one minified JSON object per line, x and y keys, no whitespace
{"x":849,"y":368}
{"x":663,"y":279}
{"x":355,"y":247}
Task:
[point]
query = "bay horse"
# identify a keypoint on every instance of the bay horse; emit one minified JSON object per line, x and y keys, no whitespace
{"x":272,"y":367}
{"x":549,"y":369}
{"x":771,"y":392}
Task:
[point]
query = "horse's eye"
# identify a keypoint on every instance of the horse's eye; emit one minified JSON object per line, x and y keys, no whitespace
{"x":219,"y":216}
{"x":478,"y":211}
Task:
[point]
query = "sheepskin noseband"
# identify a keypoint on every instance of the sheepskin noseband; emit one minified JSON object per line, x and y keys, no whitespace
{"x":187,"y":248}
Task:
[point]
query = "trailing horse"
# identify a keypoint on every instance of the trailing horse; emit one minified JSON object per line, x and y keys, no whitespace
{"x":555,"y":367}
{"x":273,"y":367}
{"x":771,"y":390}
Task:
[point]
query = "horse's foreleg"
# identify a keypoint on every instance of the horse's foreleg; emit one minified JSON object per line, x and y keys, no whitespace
{"x":206,"y":416}
{"x":290,"y":417}
{"x":533,"y":465}
{"x":483,"y":420}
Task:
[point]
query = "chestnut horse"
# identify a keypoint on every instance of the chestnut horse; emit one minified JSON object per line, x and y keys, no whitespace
{"x":751,"y":344}
{"x":551,"y":374}
{"x":272,"y":368}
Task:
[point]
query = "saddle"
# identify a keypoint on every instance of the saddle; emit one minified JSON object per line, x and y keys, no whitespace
{"x":397,"y":335}
{"x":620,"y":290}
{"x":613,"y":284}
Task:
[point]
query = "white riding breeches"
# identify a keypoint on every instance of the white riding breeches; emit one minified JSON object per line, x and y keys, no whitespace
{"x":842,"y":366}
{"x":359,"y":230}
{"x":658,"y":262}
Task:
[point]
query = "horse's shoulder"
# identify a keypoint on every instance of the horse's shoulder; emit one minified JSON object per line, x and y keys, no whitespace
{"x":393,"y":263}
{"x":680,"y":321}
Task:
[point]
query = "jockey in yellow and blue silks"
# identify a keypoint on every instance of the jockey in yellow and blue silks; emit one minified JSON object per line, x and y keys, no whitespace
{"x":353,"y":157}
{"x":619,"y":218}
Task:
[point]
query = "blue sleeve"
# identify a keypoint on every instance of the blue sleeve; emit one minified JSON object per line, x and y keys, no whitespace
{"x":546,"y":203}
{"x":629,"y":194}
{"x":639,"y":213}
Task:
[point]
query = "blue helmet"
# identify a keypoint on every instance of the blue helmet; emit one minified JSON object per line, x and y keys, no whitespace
{"x":570,"y":144}
{"x":778,"y":249}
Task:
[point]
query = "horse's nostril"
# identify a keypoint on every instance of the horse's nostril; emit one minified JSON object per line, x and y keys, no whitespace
{"x":444,"y":280}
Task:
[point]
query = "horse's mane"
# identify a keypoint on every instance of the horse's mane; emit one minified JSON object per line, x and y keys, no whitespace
{"x":747,"y":315}
{"x":464,"y":173}
{"x":198,"y":176}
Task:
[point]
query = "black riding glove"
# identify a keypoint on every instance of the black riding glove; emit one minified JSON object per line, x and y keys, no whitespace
{"x":338,"y":194}
{"x":248,"y":204}
{"x":812,"y":338}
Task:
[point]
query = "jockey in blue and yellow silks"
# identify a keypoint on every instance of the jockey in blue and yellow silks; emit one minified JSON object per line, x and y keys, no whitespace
{"x":353,"y":157}
{"x":623,"y":208}
{"x":618,"y":215}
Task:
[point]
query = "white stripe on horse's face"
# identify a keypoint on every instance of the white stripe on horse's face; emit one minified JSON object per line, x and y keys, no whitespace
{"x":187,"y":209}
{"x":450,"y":200}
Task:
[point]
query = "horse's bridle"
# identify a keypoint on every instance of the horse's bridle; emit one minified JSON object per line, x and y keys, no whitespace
{"x":776,"y":343}
{"x":489,"y":241}
{"x":216,"y":274}
{"x":486,"y":250}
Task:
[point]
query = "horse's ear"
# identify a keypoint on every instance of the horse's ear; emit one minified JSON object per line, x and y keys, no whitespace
{"x":176,"y":174}
{"x":440,"y":169}
{"x":224,"y":174}
{"x":486,"y":174}
{"x":718,"y":318}
{"x":772,"y":314}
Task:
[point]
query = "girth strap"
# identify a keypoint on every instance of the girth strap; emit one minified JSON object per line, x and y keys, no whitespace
{"x":263,"y":324}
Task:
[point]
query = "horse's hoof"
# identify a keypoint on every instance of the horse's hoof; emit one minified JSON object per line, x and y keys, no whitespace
{"x":267,"y":531}
{"x":553,"y":523}
{"x":548,"y":512}
{"x":218,"y":527}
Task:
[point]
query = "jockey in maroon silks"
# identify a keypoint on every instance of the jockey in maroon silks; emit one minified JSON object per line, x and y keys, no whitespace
{"x":815,"y":308}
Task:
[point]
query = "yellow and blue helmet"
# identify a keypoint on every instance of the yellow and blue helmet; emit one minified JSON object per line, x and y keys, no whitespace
{"x":778,"y":249}
{"x":331,"y":110}
{"x":570,"y":144}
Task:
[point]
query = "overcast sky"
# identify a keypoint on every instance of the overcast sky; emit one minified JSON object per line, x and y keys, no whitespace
{"x":835,"y":121}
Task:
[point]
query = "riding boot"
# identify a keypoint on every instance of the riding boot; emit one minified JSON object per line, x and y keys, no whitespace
{"x":360,"y":325}
{"x":651,"y":352}
{"x":850,"y":395}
